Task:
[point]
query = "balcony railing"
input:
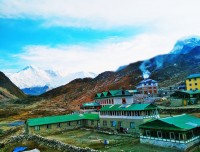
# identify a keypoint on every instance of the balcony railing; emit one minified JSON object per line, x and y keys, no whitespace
{"x":171,"y":140}
{"x":129,"y":117}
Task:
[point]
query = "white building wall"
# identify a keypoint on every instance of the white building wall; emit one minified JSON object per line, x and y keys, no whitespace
{"x":181,"y":145}
{"x":118,"y":100}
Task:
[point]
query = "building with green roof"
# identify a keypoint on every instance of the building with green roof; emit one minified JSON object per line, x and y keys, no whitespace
{"x":114,"y":97}
{"x":184,"y":98}
{"x":182,"y":132}
{"x":128,"y":116}
{"x":90,"y":107}
{"x":61,"y":122}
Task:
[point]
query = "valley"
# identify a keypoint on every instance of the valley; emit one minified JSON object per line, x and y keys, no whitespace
{"x":169,"y":70}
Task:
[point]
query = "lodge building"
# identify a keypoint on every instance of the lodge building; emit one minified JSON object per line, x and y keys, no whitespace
{"x":126,"y":116}
{"x":181,"y":132}
{"x":114,"y":97}
{"x":61,"y":122}
{"x":148,"y":86}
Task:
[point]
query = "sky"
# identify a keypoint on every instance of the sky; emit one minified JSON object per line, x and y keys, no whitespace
{"x":91,"y":35}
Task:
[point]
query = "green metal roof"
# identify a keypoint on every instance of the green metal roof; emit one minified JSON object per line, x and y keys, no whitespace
{"x":97,"y":95}
{"x":193,"y":76}
{"x":133,"y":107}
{"x":181,"y":122}
{"x":90,"y":104}
{"x":113,"y":93}
{"x":61,"y":118}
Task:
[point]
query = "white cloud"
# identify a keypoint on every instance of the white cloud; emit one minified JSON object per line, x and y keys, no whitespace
{"x":107,"y":55}
{"x":104,"y":13}
{"x":166,"y":21}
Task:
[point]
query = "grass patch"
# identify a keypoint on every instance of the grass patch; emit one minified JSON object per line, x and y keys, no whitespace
{"x":95,"y":140}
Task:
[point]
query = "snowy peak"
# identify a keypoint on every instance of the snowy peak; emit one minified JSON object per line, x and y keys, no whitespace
{"x":33,"y":78}
{"x":185,"y":45}
{"x":30,"y":67}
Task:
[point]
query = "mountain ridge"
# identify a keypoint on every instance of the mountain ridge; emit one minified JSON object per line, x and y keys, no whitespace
{"x":8,"y":89}
{"x":168,"y":69}
{"x":33,"y":80}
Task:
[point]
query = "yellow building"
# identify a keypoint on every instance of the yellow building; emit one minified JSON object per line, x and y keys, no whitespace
{"x":193,"y":82}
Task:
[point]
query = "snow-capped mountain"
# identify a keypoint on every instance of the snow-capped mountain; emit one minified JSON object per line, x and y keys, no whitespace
{"x":34,"y":80}
{"x":185,"y":45}
{"x":182,"y":46}
{"x":32,"y":76}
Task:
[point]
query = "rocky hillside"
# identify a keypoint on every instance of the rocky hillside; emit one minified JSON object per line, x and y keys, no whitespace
{"x":8,"y":90}
{"x":167,"y":69}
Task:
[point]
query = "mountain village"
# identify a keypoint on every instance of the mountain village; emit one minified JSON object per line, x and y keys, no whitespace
{"x":133,"y":112}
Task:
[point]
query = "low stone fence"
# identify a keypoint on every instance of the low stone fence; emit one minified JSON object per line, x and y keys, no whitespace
{"x":54,"y":144}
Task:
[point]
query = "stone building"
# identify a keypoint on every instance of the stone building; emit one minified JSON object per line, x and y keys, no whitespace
{"x":126,"y":116}
{"x":61,"y":122}
{"x":181,"y":132}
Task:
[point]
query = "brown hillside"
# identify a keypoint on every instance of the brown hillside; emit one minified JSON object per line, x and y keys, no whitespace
{"x":8,"y":88}
{"x":174,"y":70}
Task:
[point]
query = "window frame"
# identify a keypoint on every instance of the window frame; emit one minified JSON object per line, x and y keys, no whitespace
{"x":104,"y":123}
{"x":148,"y":133}
{"x":159,"y":134}
{"x":37,"y":128}
{"x":172,"y":133}
{"x":59,"y":125}
{"x":48,"y":126}
{"x":132,"y":125}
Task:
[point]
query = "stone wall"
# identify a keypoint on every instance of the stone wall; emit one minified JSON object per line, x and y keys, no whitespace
{"x":54,"y":144}
{"x":180,"y":146}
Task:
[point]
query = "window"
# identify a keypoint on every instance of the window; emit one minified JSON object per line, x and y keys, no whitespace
{"x":78,"y":122}
{"x":189,"y":79}
{"x":180,"y":136}
{"x":48,"y":126}
{"x":92,"y":122}
{"x":148,"y":133}
{"x":196,"y":84}
{"x":172,"y":136}
{"x":58,"y":125}
{"x":132,"y":125}
{"x":113,"y":123}
{"x":120,"y":123}
{"x":190,"y":84}
{"x":104,"y":123}
{"x":69,"y":123}
{"x":159,"y":134}
{"x":123,"y":100}
{"x":37,"y":128}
